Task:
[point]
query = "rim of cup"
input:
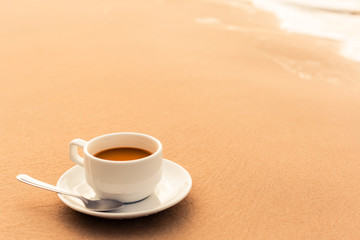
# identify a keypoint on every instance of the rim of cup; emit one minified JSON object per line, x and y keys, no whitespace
{"x":158,"y":150}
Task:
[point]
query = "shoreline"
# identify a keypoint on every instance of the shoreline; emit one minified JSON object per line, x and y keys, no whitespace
{"x":337,"y":21}
{"x":299,"y":54}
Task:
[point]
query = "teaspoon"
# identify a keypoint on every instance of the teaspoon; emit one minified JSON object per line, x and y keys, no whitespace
{"x":101,"y":205}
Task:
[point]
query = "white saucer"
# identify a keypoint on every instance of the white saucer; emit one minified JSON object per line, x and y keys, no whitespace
{"x":173,"y":187}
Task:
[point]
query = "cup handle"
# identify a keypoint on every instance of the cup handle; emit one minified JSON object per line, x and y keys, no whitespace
{"x":73,"y":153}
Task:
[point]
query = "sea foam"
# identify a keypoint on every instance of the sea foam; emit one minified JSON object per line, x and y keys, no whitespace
{"x":332,"y":19}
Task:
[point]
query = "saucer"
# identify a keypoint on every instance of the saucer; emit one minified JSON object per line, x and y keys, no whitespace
{"x":173,"y":187}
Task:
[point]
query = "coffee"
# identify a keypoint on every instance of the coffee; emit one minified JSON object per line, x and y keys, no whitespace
{"x":122,"y":154}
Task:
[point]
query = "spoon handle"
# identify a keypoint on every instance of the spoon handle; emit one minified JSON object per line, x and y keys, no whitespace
{"x":31,"y":181}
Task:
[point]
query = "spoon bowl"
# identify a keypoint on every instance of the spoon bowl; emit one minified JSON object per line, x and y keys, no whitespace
{"x":101,"y":205}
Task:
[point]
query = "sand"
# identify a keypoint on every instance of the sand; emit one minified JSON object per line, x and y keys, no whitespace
{"x":265,"y":121}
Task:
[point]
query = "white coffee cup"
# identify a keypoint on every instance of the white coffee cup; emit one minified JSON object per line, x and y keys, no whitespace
{"x":126,"y":181}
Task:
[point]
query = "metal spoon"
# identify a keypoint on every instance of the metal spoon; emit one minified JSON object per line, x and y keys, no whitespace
{"x":102,"y":205}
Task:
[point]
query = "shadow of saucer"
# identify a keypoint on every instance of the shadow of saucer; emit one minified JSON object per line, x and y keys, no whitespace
{"x":156,"y":224}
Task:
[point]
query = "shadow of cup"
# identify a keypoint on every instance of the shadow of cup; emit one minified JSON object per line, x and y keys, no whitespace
{"x":157,"y":224}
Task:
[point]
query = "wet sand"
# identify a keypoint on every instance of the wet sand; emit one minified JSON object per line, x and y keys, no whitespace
{"x":265,"y":121}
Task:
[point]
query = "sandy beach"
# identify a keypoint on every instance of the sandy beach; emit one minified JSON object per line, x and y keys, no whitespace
{"x":265,"y":121}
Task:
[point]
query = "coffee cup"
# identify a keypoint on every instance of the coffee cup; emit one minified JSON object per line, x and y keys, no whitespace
{"x":126,"y":180}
